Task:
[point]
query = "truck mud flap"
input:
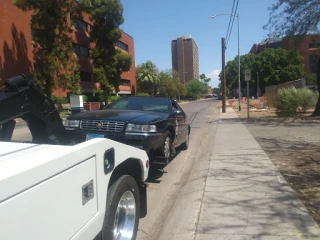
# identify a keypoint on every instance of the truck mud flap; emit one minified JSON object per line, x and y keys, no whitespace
{"x":143,"y":199}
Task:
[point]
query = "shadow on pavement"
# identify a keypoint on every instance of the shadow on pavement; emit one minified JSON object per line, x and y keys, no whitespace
{"x":156,"y":171}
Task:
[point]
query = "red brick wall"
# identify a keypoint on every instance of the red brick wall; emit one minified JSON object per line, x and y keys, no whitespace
{"x":131,"y":74}
{"x":15,"y":41}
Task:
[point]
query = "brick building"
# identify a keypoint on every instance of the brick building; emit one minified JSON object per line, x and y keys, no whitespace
{"x":185,"y":58}
{"x":16,"y":49}
{"x":309,"y":49}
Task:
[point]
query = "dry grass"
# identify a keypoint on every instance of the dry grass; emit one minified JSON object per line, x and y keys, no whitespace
{"x":293,"y":145}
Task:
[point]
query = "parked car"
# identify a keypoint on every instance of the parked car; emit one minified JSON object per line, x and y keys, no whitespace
{"x":156,"y":125}
{"x":220,"y":97}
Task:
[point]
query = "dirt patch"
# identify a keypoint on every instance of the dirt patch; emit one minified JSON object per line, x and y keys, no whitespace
{"x":293,"y":145}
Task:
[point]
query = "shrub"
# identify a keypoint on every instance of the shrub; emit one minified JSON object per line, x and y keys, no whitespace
{"x":289,"y":99}
{"x":59,"y":100}
{"x":85,"y":98}
{"x":113,"y":98}
{"x":142,"y":94}
{"x":287,"y":102}
{"x":305,"y":98}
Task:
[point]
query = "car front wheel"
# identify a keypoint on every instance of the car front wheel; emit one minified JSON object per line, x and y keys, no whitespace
{"x":165,"y":149}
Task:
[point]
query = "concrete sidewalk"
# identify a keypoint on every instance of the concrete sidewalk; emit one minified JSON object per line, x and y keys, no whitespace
{"x":245,"y":197}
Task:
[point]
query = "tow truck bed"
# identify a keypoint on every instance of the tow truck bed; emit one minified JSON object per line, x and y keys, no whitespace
{"x":42,"y":186}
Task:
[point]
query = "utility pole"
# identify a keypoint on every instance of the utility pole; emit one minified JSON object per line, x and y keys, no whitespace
{"x":239,"y":83}
{"x":223,"y":45}
{"x":258,"y":85}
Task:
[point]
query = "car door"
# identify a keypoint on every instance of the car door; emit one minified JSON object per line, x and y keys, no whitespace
{"x":181,"y":124}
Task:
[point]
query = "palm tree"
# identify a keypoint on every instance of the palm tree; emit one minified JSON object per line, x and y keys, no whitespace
{"x":147,"y":77}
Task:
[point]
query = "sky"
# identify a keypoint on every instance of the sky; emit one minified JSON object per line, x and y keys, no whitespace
{"x":154,"y":23}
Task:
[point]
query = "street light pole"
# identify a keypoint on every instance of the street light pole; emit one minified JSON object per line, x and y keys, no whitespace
{"x":239,"y":82}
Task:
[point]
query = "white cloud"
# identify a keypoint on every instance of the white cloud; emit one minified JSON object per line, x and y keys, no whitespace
{"x":214,"y":75}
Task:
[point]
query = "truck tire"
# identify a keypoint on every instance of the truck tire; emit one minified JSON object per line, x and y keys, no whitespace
{"x":122,"y":210}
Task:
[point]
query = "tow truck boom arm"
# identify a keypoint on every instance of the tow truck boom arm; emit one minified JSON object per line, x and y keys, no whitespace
{"x":21,"y":97}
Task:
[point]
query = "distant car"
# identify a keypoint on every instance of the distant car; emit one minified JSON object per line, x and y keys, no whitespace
{"x":156,"y":125}
{"x":220,"y":97}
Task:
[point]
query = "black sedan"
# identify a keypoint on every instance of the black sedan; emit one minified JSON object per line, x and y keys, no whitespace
{"x":157,"y":125}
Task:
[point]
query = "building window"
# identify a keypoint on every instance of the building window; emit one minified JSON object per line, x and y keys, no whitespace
{"x":122,"y":45}
{"x":85,"y":77}
{"x":314,"y":45}
{"x":313,"y":63}
{"x":79,"y":24}
{"x":125,"y":82}
{"x":80,"y":50}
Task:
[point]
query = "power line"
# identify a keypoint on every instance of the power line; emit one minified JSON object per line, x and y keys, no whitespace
{"x":234,"y":16}
{"x":234,"y":1}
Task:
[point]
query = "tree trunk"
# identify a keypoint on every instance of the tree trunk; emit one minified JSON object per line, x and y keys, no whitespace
{"x":317,"y":109}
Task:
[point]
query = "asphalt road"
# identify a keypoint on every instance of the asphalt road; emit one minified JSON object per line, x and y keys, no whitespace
{"x":173,"y":190}
{"x":21,"y":132}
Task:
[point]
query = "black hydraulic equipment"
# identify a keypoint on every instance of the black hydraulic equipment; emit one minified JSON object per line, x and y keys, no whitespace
{"x":21,"y":97}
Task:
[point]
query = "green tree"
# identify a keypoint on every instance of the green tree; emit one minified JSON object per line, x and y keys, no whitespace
{"x":147,"y":78}
{"x":280,"y":65}
{"x":311,"y":79}
{"x":106,"y":16}
{"x":274,"y":66}
{"x":105,"y":90}
{"x":170,"y":84}
{"x":182,"y":89}
{"x":195,"y":88}
{"x":216,"y":91}
{"x":296,"y":18}
{"x":247,"y":61}
{"x":53,"y":53}
{"x":204,"y":78}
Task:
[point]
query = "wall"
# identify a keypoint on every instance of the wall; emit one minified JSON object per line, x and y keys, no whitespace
{"x":15,"y":41}
{"x":131,"y":74}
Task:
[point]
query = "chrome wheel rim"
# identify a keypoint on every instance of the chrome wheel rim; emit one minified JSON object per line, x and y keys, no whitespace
{"x":167,"y":147}
{"x":125,"y":217}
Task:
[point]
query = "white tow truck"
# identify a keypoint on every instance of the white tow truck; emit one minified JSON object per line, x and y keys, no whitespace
{"x":52,"y":189}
